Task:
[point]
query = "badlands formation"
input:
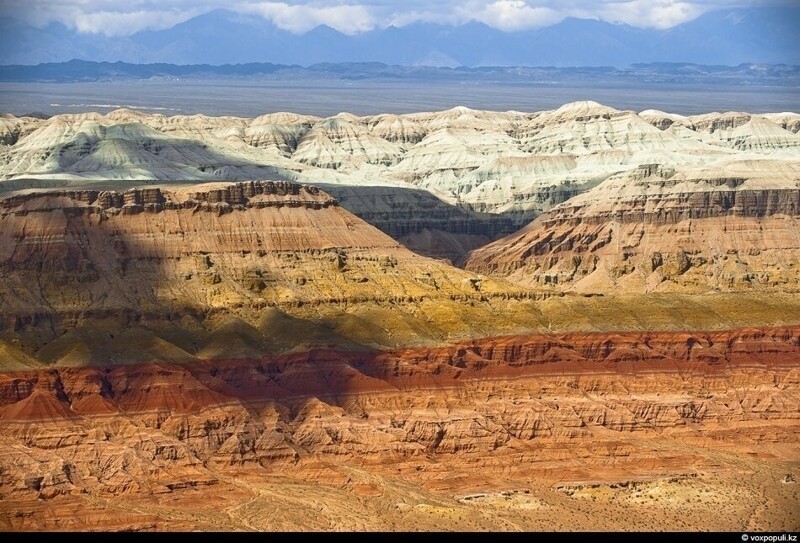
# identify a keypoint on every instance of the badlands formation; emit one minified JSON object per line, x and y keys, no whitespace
{"x":255,"y":324}
{"x":442,"y":183}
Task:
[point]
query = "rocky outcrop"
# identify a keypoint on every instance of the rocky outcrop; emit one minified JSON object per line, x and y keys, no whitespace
{"x":188,"y":272}
{"x":255,"y":356}
{"x":662,"y":229}
{"x":11,"y":128}
{"x":70,"y":393}
{"x":788,"y":121}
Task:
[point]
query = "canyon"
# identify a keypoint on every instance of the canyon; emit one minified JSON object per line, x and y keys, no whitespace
{"x":256,"y":324}
{"x":443,"y":182}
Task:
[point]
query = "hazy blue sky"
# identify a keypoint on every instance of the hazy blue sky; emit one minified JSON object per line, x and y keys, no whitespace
{"x":124,"y":17}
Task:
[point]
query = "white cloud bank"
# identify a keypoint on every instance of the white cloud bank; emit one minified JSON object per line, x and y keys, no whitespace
{"x":116,"y":23}
{"x":510,"y":15}
{"x":650,"y":13}
{"x":125,"y":17}
{"x":300,"y":18}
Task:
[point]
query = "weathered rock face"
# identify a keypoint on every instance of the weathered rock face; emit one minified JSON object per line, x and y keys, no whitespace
{"x":188,"y":272}
{"x":547,"y":414}
{"x":786,"y":120}
{"x":220,"y":200}
{"x":511,"y":164}
{"x":185,"y":257}
{"x":661,"y":229}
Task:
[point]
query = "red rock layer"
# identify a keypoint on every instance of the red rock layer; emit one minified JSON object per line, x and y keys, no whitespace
{"x":547,"y":408}
{"x":160,"y":387}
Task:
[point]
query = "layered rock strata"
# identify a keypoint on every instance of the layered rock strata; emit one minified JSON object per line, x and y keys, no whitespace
{"x":512,"y":164}
{"x":423,"y":222}
{"x":534,"y":422}
{"x":176,"y":259}
{"x":659,"y":229}
{"x":255,"y":356}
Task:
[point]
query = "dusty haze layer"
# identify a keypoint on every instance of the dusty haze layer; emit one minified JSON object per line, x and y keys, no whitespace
{"x":186,"y":353}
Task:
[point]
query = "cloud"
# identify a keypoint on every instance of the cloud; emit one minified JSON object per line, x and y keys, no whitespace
{"x":114,"y":23}
{"x":299,"y":18}
{"x":403,"y":18}
{"x":123,"y":17}
{"x":651,"y":13}
{"x":511,"y":15}
{"x":507,"y":15}
{"x":109,"y":17}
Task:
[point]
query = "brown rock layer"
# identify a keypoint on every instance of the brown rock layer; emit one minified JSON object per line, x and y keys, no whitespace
{"x":654,"y":230}
{"x":107,"y":259}
{"x":677,"y":207}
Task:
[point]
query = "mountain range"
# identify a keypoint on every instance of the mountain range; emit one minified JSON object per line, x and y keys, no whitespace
{"x":733,"y":36}
{"x":746,"y":74}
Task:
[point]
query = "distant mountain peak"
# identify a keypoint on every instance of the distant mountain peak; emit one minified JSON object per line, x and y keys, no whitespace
{"x":325,"y":29}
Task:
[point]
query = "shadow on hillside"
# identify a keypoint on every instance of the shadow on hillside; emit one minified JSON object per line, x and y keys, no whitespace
{"x":423,"y":222}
